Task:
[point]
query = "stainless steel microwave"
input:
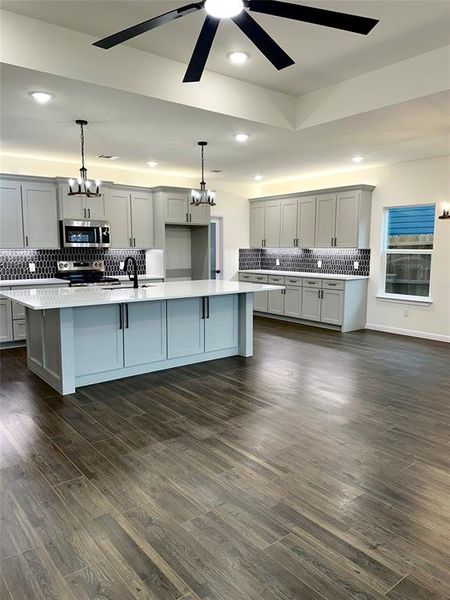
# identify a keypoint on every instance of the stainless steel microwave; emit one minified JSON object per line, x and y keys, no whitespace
{"x":85,"y":234}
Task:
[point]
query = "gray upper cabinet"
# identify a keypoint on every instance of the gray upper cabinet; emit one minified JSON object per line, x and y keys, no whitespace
{"x":40,"y":217}
{"x":81,"y":207}
{"x":265,"y":224}
{"x":131,"y":218}
{"x":325,"y":220}
{"x":120,"y":219}
{"x":142,"y":220}
{"x":257,"y":225}
{"x":199,"y":215}
{"x":179,"y":211}
{"x":288,"y":223}
{"x":297,"y":222}
{"x":11,"y":228}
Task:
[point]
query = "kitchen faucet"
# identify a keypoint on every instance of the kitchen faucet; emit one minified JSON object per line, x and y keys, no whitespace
{"x":135,"y":273}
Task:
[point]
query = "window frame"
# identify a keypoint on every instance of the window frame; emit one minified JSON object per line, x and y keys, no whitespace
{"x":382,"y":294}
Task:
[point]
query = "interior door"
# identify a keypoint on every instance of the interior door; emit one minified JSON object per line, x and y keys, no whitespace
{"x":144,"y":333}
{"x":288,"y":223}
{"x":272,"y":224}
{"x":293,"y":302}
{"x":311,"y":304}
{"x":142,"y":220}
{"x":185,"y":327}
{"x":332,"y":306}
{"x":347,"y":219}
{"x":176,"y":207}
{"x":40,"y":216}
{"x":221,"y":323}
{"x":257,"y":225}
{"x":325,"y":220}
{"x":120,"y":219}
{"x":11,"y":229}
{"x":306,"y":221}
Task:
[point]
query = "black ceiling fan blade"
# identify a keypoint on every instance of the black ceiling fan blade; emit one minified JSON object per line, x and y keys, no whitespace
{"x":318,"y":16}
{"x":201,"y":51}
{"x":263,"y":41}
{"x":140,"y":28}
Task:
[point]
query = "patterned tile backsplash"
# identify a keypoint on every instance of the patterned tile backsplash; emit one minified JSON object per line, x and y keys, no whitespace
{"x":334,"y":260}
{"x":14,"y":263}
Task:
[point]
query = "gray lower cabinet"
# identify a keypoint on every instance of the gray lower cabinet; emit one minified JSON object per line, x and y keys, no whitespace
{"x":275,"y":302}
{"x":293,"y":302}
{"x":144,"y":333}
{"x":6,"y":328}
{"x":185,"y":327}
{"x":311,"y":304}
{"x":332,"y":302}
{"x":221,"y":323}
{"x":260,"y":301}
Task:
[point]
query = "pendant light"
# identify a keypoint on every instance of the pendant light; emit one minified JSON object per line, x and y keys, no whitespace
{"x":82,"y":186}
{"x":203,"y":196}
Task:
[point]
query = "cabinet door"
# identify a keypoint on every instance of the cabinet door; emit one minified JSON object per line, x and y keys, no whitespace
{"x":19,"y":330}
{"x":275,"y":302}
{"x":120,"y":219}
{"x":40,"y":215}
{"x":98,"y":339}
{"x":145,"y":333}
{"x":185,"y":327}
{"x":257,"y":225}
{"x":18,"y":310}
{"x":332,"y":306}
{"x":142,"y":220}
{"x":11,"y":230}
{"x":311,"y":304}
{"x":288,"y":223}
{"x":325,"y":220}
{"x":347,"y":219}
{"x":6,"y":330}
{"x":260,"y":301}
{"x":176,"y":208}
{"x":221,"y":323}
{"x":199,"y":215}
{"x":306,"y":221}
{"x":272,"y":224}
{"x":293,"y":302}
{"x":96,"y":207}
{"x":71,"y":207}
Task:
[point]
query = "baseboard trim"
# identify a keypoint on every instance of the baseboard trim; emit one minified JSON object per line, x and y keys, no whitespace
{"x":409,"y":332}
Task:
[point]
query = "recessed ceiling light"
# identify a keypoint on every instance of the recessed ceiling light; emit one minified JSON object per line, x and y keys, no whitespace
{"x":241,"y":137}
{"x":152,"y":163}
{"x":108,"y":156}
{"x":358,"y":158}
{"x":257,"y":177}
{"x":41,"y":97}
{"x":224,"y":9}
{"x":238,"y":58}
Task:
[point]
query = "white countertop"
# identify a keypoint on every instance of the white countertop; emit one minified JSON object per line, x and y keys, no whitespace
{"x":59,"y":281}
{"x":140,"y":277}
{"x":66,"y":297}
{"x":303,"y":274}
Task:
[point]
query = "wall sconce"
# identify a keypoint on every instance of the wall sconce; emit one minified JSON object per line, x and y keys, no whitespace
{"x":445,"y":211}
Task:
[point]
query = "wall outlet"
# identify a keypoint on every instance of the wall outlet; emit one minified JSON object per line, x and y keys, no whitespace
{"x":32,"y":267}
{"x":121,"y":265}
{"x":277,"y":262}
{"x":319,"y":264}
{"x":356,"y":265}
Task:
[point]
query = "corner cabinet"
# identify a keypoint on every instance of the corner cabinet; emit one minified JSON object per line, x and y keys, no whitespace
{"x":130,"y":214}
{"x":28,"y":214}
{"x":337,"y":218}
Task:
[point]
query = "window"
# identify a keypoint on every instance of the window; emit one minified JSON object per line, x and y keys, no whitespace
{"x":408,"y":250}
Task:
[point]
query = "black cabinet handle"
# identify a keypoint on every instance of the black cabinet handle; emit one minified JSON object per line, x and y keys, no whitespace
{"x":120,"y":317}
{"x":203,"y":307}
{"x":127,"y":322}
{"x":207,"y":307}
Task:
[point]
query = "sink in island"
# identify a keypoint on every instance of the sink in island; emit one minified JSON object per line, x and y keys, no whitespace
{"x":81,"y":336}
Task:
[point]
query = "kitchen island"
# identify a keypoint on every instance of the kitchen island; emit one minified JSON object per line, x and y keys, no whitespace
{"x":81,"y":336}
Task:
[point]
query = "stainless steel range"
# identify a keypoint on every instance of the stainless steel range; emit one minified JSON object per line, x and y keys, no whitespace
{"x":85,"y":273}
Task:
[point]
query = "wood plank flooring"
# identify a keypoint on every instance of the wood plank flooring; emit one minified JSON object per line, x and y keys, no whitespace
{"x":316,"y":470}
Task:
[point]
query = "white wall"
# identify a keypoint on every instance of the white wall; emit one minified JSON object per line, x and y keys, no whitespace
{"x":417,"y":182}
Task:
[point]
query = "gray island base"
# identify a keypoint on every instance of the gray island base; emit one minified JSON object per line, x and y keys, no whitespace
{"x":81,"y":337}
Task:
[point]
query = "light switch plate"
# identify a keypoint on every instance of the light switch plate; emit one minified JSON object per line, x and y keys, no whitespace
{"x":32,"y":267}
{"x":121,"y":265}
{"x":356,"y":265}
{"x":319,"y":264}
{"x":277,"y":262}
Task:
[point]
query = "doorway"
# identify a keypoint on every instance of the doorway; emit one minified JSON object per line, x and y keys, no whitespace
{"x":216,"y":247}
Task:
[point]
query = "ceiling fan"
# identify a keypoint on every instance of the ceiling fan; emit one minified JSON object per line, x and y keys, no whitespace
{"x":234,"y":10}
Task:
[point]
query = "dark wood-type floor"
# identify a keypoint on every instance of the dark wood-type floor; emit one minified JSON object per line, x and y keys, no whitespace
{"x":318,"y":469}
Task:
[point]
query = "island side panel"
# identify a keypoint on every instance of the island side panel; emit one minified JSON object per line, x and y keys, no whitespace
{"x":246,"y":324}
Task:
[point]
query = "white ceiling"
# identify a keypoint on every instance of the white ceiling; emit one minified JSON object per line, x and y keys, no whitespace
{"x":323,"y":56}
{"x":139,"y":128}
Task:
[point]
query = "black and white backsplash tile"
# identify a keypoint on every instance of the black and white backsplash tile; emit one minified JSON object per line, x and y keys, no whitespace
{"x":14,"y":264}
{"x":334,"y":260}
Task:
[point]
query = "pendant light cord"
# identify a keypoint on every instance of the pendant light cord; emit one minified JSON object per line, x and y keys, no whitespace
{"x":203,"y":166}
{"x":82,"y":145}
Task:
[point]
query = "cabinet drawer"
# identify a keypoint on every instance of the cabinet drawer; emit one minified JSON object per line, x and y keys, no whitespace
{"x":298,"y":281}
{"x":245,"y":277}
{"x":18,"y":311}
{"x":260,"y":279}
{"x":335,"y":284}
{"x":19,"y":330}
{"x":314,"y":283}
{"x":276,"y":279}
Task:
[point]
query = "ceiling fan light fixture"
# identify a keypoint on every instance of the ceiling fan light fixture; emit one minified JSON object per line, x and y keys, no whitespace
{"x":238,"y":58}
{"x":224,"y":9}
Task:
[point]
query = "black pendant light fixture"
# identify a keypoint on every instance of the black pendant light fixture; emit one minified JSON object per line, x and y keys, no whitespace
{"x":203,"y":196}
{"x":82,"y":186}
